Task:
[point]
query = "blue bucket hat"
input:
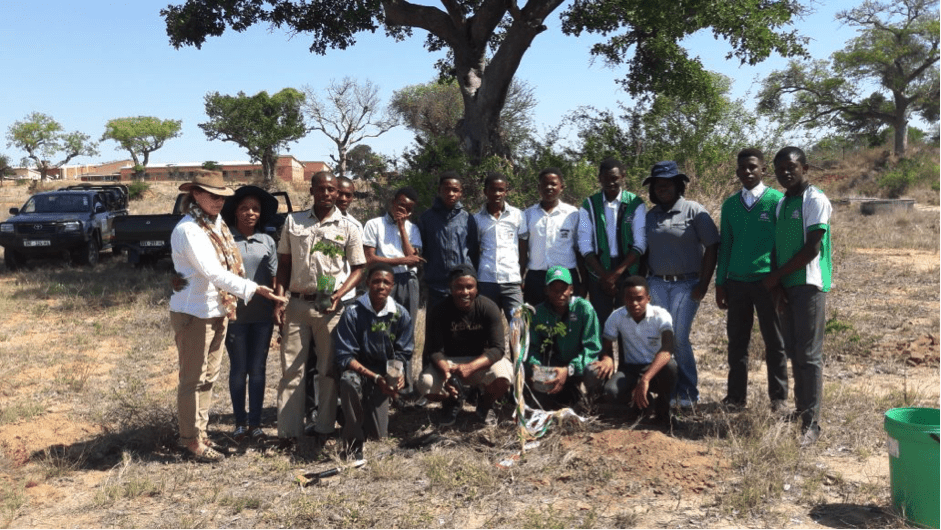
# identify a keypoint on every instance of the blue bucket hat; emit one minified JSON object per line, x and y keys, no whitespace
{"x":664,"y":170}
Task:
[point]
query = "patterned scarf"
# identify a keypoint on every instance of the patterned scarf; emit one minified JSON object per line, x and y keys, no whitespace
{"x":228,"y":254}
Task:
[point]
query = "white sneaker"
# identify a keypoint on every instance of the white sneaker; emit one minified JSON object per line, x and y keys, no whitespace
{"x":683,"y":403}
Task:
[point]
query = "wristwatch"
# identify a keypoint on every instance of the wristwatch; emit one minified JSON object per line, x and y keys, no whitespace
{"x":571,"y":370}
{"x":376,"y":378}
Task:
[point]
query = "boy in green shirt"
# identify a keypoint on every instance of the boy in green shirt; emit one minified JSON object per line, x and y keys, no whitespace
{"x":744,"y":259}
{"x":800,"y":281}
{"x":565,"y":335}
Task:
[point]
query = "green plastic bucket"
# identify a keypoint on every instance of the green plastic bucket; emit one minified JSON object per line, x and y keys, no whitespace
{"x":913,"y":463}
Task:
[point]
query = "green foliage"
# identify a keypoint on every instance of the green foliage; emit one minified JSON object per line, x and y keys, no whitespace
{"x":485,"y":40}
{"x":261,"y":124}
{"x":908,"y":173}
{"x":43,"y":139}
{"x":136,"y":190}
{"x":646,"y":36}
{"x":896,"y":50}
{"x":211,"y":165}
{"x":5,"y":168}
{"x":363,"y":163}
{"x":141,"y":136}
{"x":702,"y":135}
{"x":546,"y":348}
{"x":328,"y":248}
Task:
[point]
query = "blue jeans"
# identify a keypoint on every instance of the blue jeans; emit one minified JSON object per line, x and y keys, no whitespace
{"x":675,"y":298}
{"x":247,"y":344}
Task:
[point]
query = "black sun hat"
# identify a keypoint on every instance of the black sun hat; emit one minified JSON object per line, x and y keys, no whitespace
{"x":269,"y":205}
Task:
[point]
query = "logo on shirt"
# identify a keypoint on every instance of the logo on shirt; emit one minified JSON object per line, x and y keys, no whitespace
{"x":564,"y":233}
{"x":764,"y":217}
{"x":465,"y":326}
{"x":796,"y":214}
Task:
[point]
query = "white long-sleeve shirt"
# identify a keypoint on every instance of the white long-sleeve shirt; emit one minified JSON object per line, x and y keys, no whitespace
{"x":195,"y":259}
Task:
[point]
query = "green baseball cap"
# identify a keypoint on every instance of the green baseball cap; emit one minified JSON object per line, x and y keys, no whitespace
{"x":559,"y":273}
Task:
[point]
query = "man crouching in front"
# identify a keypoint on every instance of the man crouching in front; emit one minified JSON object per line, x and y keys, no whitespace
{"x":465,"y":348}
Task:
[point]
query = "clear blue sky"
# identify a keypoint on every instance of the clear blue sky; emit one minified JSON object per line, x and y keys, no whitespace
{"x":86,"y":62}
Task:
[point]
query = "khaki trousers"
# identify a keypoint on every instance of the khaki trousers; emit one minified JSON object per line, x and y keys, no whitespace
{"x":303,"y":323}
{"x":199,"y":343}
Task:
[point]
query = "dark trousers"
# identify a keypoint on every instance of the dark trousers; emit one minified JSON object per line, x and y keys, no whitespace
{"x":620,"y":388}
{"x":604,"y":303}
{"x":247,"y":345}
{"x":534,"y":286}
{"x":407,"y":292}
{"x":571,"y":393}
{"x":365,"y":409}
{"x":803,"y":324}
{"x":745,"y":299}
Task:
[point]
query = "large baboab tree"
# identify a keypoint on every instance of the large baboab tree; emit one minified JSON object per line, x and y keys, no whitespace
{"x":895,"y":52}
{"x":261,"y":124}
{"x":140,"y":136}
{"x":486,"y":40}
{"x":43,"y":139}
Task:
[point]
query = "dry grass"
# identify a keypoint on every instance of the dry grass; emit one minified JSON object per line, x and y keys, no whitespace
{"x":107,"y":359}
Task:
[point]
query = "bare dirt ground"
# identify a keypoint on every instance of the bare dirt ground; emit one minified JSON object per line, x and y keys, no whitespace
{"x":87,"y":386}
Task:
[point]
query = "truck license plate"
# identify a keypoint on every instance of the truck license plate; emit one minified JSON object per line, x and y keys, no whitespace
{"x":151,"y":243}
{"x":37,"y":243}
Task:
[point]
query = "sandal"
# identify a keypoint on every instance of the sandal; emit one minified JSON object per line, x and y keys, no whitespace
{"x":203,"y":453}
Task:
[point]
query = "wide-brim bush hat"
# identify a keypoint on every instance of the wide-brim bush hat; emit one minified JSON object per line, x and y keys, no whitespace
{"x":664,"y":170}
{"x":210,"y":181}
{"x":269,"y":204}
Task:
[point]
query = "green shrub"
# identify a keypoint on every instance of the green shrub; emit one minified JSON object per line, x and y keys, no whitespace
{"x":136,"y":189}
{"x":906,"y":174}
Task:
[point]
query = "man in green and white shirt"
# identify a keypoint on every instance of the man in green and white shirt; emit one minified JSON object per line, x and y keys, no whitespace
{"x":612,"y":237}
{"x":800,"y":280}
{"x":747,"y":228}
{"x":564,"y":334}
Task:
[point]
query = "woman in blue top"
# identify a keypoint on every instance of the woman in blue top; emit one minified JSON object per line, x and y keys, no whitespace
{"x":249,"y":335}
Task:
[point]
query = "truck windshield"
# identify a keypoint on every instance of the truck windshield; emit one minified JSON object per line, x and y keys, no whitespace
{"x":57,"y":204}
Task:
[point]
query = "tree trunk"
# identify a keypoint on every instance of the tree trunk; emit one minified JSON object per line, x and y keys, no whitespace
{"x":479,"y":129}
{"x":484,"y":85}
{"x":268,"y":162}
{"x":341,"y":160}
{"x":901,"y":137}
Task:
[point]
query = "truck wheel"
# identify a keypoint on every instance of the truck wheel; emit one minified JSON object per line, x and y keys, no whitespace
{"x":89,"y":253}
{"x":13,"y":259}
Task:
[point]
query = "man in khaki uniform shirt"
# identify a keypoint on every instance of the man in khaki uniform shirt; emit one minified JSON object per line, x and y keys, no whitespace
{"x":313,"y":243}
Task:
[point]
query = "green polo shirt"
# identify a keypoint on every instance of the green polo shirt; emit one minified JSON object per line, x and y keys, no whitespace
{"x":796,"y":217}
{"x":577,"y":347}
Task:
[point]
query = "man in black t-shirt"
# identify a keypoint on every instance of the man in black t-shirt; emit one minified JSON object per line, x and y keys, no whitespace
{"x":464,"y":347}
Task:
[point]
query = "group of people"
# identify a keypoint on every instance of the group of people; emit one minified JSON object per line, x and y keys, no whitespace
{"x":609,"y":271}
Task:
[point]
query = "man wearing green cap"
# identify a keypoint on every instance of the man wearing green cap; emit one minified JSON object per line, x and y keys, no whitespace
{"x":565,"y":335}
